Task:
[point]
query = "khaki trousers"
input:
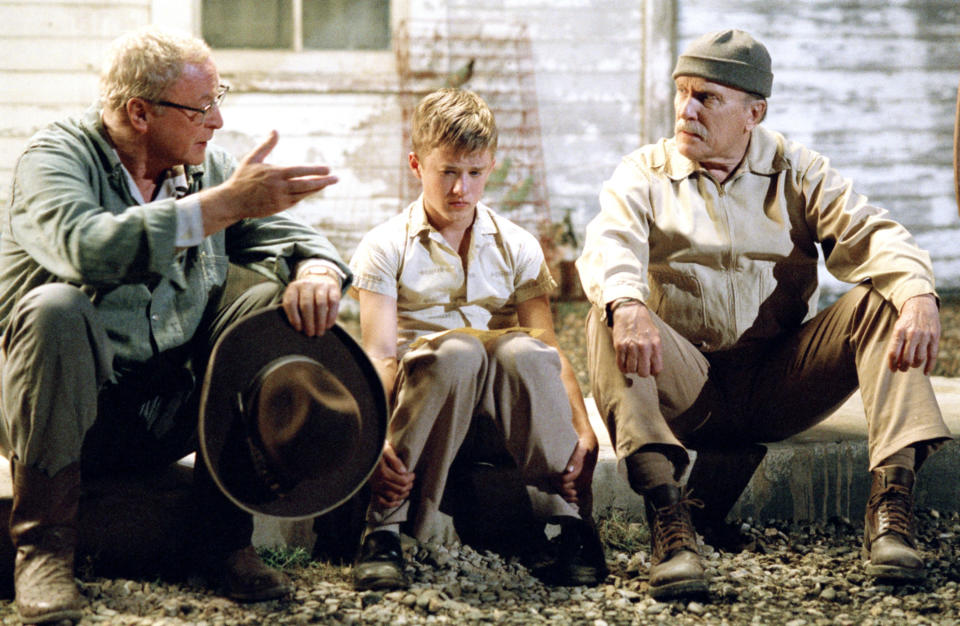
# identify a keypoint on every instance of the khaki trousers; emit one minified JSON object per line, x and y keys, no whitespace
{"x":443,"y":385}
{"x":768,"y":390}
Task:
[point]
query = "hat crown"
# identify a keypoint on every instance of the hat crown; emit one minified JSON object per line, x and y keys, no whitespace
{"x":733,"y":45}
{"x":730,"y":57}
{"x":303,"y":418}
{"x":290,"y":425}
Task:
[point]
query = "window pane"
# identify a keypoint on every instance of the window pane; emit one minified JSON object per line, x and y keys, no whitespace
{"x":346,"y":24}
{"x":247,"y":23}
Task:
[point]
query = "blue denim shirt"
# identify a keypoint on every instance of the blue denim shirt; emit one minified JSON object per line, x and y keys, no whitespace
{"x":71,"y":218}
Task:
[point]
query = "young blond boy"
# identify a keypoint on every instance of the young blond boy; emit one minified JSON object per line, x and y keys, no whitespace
{"x":455,"y":315}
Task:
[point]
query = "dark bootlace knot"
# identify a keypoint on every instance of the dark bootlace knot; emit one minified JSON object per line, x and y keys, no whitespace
{"x":894,"y":510}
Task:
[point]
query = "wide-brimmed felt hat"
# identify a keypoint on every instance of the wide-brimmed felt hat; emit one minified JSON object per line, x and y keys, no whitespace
{"x":290,"y":425}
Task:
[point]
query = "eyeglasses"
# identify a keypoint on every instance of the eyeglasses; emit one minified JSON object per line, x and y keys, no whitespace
{"x":217,"y":101}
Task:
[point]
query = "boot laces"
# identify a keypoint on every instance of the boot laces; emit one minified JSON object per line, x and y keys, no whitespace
{"x":894,"y":510}
{"x":673,"y":530}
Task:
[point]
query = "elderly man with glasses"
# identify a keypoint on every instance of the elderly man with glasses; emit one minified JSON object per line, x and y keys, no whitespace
{"x":115,"y":249}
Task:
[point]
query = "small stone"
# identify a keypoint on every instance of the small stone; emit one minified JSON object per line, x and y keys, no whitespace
{"x":656,"y":608}
{"x":696,"y":608}
{"x":369,"y":599}
{"x":424,"y":598}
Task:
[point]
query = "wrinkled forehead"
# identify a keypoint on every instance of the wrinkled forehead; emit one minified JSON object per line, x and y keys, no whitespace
{"x":198,"y":80}
{"x":699,"y":83}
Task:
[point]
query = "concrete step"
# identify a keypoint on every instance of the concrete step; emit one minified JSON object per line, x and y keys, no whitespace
{"x":819,"y":474}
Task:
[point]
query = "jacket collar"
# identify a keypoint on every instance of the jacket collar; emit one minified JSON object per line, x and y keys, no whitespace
{"x":764,"y":157}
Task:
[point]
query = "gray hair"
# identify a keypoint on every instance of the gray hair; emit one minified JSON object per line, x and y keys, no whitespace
{"x":145,"y":62}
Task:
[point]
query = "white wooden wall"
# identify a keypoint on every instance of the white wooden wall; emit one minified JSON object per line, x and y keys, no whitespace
{"x":344,"y":110}
{"x":50,"y":54}
{"x":871,"y":84}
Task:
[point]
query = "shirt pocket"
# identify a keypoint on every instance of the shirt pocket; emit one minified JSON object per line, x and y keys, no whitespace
{"x":212,"y":270}
{"x":678,"y":299}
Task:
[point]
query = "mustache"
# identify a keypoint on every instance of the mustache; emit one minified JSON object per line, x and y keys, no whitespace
{"x":689,"y":126}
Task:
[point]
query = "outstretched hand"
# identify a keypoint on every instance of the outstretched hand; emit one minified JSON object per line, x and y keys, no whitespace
{"x":259,"y":189}
{"x":916,"y":335}
{"x":269,"y":189}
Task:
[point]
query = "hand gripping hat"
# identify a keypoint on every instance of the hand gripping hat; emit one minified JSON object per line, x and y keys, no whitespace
{"x":290,"y":425}
{"x":728,"y":57}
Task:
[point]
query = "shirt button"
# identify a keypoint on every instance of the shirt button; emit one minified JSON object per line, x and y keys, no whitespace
{"x":155,"y":317}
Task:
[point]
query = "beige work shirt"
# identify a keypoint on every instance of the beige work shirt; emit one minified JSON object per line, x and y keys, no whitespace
{"x":725,"y":264}
{"x":407,"y":259}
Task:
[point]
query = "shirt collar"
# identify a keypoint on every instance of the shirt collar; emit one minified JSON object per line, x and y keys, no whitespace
{"x":482,"y":220}
{"x":764,"y":157}
{"x":174,"y":184}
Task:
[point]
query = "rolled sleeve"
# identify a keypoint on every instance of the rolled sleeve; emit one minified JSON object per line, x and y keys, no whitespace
{"x":375,"y":264}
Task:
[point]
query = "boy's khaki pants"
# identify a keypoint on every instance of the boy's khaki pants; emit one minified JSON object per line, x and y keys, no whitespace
{"x":444,"y":384}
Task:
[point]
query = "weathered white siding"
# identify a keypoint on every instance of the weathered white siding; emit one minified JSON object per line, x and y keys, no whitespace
{"x":346,"y":110}
{"x":50,"y":54}
{"x":872,"y":84}
{"x":588,"y":57}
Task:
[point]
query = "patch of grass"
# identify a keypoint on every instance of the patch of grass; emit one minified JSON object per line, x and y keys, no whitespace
{"x":285,"y":558}
{"x":621,"y":534}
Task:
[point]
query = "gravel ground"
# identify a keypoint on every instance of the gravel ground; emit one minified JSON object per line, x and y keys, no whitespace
{"x":791,"y":573}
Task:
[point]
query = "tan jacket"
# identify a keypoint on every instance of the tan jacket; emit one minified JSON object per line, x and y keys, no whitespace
{"x":725,"y":264}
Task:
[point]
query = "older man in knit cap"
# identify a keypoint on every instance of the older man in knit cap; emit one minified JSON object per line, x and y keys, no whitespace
{"x":705,"y":335}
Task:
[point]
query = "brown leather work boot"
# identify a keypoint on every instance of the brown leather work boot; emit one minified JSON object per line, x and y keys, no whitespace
{"x":43,"y":528}
{"x":247,"y":578}
{"x":675,"y":569}
{"x":889,"y":548}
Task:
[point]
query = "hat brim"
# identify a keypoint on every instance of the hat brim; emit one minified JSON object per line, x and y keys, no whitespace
{"x":244,"y":349}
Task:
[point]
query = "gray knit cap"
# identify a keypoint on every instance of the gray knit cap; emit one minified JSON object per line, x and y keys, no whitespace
{"x":729,"y":57}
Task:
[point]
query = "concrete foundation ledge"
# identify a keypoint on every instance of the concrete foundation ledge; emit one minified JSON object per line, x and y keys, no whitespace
{"x":819,"y":474}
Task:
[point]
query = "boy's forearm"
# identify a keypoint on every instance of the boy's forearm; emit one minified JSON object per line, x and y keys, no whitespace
{"x":387,"y":370}
{"x":581,"y":419}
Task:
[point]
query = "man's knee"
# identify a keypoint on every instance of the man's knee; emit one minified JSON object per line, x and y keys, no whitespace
{"x":52,"y":308}
{"x":54,"y":319}
{"x":56,"y":357}
{"x":868,"y":303}
{"x":262,"y":294}
{"x":252,"y":299}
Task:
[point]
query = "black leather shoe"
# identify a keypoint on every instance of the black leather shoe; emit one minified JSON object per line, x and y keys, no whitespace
{"x":380,"y":562}
{"x":580,"y":557}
